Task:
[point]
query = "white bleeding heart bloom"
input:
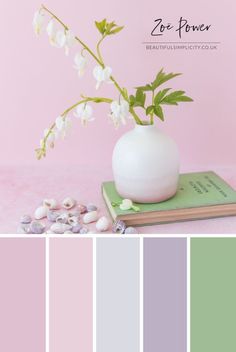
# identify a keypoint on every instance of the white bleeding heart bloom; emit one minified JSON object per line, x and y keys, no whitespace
{"x":51,"y":136}
{"x":63,"y":125}
{"x":80,"y":64}
{"x":84,"y":112}
{"x":56,"y":37}
{"x":38,"y":21}
{"x":102,"y":75}
{"x":119,"y":112}
{"x":126,"y":204}
{"x":60,"y":38}
{"x":70,"y":41}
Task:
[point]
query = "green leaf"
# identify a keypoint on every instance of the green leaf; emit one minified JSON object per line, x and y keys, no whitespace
{"x":110,"y":26}
{"x":162,"y":77}
{"x":132,"y":100}
{"x":175,"y":97}
{"x":101,"y":26}
{"x":138,"y":100}
{"x":184,"y":98}
{"x":125,"y":92}
{"x":159,"y":112}
{"x":160,"y":95}
{"x":116,"y":30}
{"x":146,"y":88}
{"x":150,"y":109}
{"x":140,"y":97}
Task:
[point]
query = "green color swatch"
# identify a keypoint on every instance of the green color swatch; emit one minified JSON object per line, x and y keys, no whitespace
{"x":213,"y":295}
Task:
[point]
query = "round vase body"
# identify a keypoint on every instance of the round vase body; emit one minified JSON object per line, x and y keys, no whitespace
{"x":145,"y":165}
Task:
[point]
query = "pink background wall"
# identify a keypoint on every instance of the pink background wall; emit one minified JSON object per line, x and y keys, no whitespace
{"x":38,"y":82}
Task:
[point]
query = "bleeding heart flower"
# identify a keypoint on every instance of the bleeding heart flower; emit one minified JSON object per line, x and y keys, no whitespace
{"x":84,"y":112}
{"x":60,"y":38}
{"x":56,"y":37}
{"x":119,"y":112}
{"x":51,"y":136}
{"x":102,"y":75}
{"x":70,"y":41}
{"x":38,"y":21}
{"x":80,"y":64}
{"x":63,"y":125}
{"x":126,"y":204}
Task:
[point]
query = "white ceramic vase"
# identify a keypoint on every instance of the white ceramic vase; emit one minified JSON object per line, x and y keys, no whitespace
{"x":145,"y":165}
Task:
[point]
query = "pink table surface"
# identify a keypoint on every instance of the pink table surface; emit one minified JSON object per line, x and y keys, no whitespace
{"x":22,"y":189}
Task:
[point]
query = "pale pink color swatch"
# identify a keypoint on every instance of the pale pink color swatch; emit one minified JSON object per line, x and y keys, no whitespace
{"x":71,"y":295}
{"x":22,"y":295}
{"x":38,"y":81}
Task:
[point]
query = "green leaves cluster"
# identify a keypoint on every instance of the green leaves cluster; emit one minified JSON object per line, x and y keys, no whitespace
{"x":108,"y":28}
{"x":162,"y":97}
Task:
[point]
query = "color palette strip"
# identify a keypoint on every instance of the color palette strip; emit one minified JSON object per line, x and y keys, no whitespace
{"x":165,"y":293}
{"x":22,"y":295}
{"x":71,"y":295}
{"x":213,"y":294}
{"x":117,"y":295}
{"x":100,"y":305}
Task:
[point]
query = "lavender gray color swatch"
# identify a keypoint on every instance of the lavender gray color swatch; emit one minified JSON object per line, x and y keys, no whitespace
{"x":165,"y":301}
{"x":117,"y":295}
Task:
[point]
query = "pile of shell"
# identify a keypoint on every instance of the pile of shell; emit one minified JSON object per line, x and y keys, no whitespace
{"x":69,"y":217}
{"x":65,"y":218}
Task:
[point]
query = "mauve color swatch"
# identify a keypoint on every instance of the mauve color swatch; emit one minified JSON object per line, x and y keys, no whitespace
{"x":71,"y":295}
{"x":22,"y":295}
{"x":165,"y":302}
{"x":117,"y":295}
{"x":213,"y":294}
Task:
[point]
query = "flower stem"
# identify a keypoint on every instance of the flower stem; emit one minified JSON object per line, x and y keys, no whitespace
{"x":77,"y":38}
{"x":151,"y":116}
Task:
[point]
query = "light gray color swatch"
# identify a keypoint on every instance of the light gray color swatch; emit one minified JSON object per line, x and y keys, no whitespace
{"x":117,"y":295}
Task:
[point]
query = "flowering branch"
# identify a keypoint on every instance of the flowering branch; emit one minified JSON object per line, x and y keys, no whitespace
{"x":121,"y":108}
{"x":99,"y":60}
{"x":52,"y":133}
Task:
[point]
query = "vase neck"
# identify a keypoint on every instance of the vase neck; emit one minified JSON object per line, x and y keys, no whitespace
{"x":145,"y":128}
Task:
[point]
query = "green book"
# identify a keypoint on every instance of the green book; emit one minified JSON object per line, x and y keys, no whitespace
{"x":200,"y":195}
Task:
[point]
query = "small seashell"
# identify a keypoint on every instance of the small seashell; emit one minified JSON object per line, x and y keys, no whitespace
{"x":91,"y":207}
{"x":60,"y":228}
{"x":90,"y":217}
{"x":49,"y":232}
{"x":76,"y":228}
{"x":24,"y":229}
{"x":118,"y":226}
{"x":82,"y":208}
{"x":68,"y":203}
{"x":40,"y":212}
{"x":37,"y":227}
{"x":68,"y":232}
{"x":25,"y":219}
{"x":52,"y":215}
{"x":130,"y":230}
{"x":51,"y":204}
{"x":84,"y":230}
{"x":103,"y":224}
{"x":62,"y":218}
{"x":74,"y":213}
{"x":73,"y":220}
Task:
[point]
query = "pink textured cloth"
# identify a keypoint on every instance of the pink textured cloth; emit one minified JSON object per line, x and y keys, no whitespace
{"x":23,"y":188}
